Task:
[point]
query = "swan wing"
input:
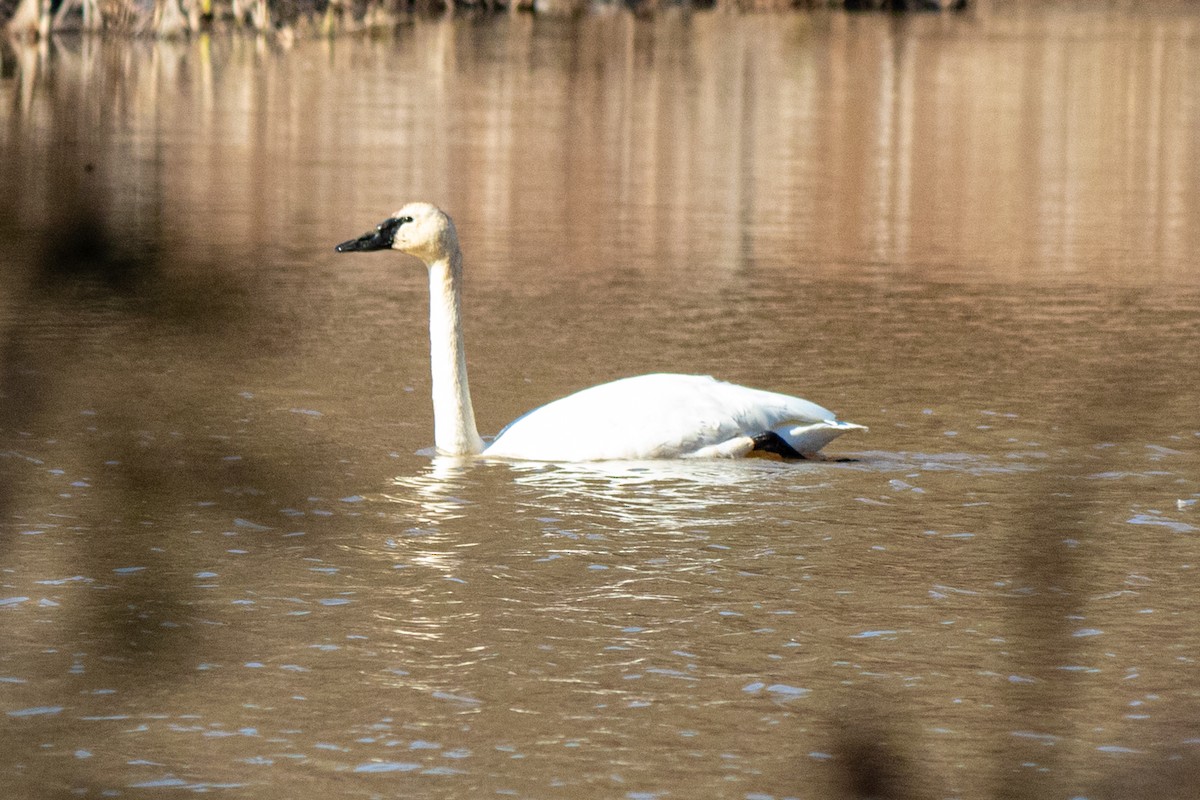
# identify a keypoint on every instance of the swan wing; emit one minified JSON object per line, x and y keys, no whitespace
{"x":662,"y":416}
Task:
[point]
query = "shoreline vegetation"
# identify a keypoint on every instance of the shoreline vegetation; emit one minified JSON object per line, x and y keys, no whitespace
{"x":37,"y":19}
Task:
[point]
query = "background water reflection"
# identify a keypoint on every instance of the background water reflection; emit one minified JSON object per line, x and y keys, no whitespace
{"x":229,"y":564}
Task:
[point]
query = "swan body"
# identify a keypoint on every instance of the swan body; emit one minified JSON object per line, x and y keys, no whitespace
{"x":665,"y":416}
{"x":648,"y":416}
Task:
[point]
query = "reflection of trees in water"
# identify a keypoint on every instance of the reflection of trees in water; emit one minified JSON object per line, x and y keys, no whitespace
{"x":869,"y":101}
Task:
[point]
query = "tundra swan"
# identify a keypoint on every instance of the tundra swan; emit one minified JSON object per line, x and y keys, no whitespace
{"x":649,"y":416}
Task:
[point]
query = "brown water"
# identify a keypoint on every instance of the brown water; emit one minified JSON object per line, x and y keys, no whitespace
{"x":230,"y":566}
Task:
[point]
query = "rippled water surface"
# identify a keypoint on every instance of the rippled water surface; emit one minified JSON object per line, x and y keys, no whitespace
{"x":230,"y":565}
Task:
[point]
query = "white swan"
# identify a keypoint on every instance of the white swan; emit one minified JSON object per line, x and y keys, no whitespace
{"x":650,"y":416}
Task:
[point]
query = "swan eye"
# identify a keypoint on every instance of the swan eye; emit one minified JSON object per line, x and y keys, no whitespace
{"x":404,"y":220}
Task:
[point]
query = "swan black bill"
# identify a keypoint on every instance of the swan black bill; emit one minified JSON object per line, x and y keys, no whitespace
{"x":379,"y":239}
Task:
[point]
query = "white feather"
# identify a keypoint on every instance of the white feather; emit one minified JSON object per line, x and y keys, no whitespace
{"x":660,"y":416}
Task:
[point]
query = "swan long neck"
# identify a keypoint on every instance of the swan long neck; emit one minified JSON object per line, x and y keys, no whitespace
{"x":454,"y":430}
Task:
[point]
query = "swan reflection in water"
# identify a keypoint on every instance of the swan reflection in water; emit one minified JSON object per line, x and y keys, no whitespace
{"x":651,"y":495}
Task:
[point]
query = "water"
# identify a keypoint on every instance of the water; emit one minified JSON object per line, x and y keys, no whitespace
{"x":230,"y":565}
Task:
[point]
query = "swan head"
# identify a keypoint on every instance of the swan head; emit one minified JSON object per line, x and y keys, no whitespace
{"x":419,"y":229}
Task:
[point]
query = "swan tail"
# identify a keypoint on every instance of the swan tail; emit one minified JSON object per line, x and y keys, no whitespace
{"x":808,"y":439}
